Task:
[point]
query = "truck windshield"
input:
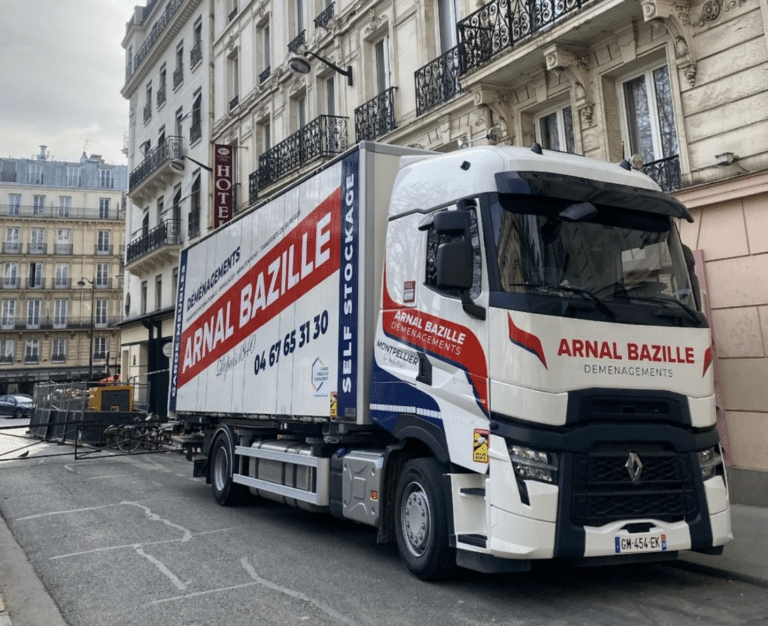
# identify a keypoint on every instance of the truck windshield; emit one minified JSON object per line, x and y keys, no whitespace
{"x":614,"y":261}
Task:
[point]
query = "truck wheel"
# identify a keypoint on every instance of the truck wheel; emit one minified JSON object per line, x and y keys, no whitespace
{"x":421,"y":519}
{"x":225,"y":490}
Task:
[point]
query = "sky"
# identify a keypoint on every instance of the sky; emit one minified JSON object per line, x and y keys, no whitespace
{"x":62,"y":71}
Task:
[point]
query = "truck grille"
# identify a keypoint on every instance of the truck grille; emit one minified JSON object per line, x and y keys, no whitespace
{"x":603,"y":489}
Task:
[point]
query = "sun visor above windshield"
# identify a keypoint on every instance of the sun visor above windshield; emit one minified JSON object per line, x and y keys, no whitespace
{"x":575,"y":189}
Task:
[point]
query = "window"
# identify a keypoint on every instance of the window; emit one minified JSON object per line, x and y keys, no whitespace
{"x":61,"y":280}
{"x":447,"y":17}
{"x":35,"y":275}
{"x":14,"y":203}
{"x":58,"y":350}
{"x":8,"y":318}
{"x":7,"y":350}
{"x":193,"y":223}
{"x":102,"y":242}
{"x":263,"y":47}
{"x":330,"y":95}
{"x":158,"y":292}
{"x":196,"y":127}
{"x":33,"y":313}
{"x":300,"y":23}
{"x":100,"y":312}
{"x":143,"y":297}
{"x":102,"y":275}
{"x":196,"y":54}
{"x":649,"y":115}
{"x":12,"y":245}
{"x":266,"y":137}
{"x":11,"y":275}
{"x":63,"y":241}
{"x":60,"y":309}
{"x":231,"y":9}
{"x":104,"y":207}
{"x":35,"y":174}
{"x":100,"y":348}
{"x":38,"y":205}
{"x":179,"y":120}
{"x":161,"y":81}
{"x":65,"y":205}
{"x":554,"y":130}
{"x":37,"y":241}
{"x":73,"y":176}
{"x":178,"y":73}
{"x":32,"y":351}
{"x":301,"y":112}
{"x":233,"y":79}
{"x":105,"y":178}
{"x":381,"y":73}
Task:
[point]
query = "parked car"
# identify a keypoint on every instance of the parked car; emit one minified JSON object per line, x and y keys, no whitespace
{"x":16,"y":405}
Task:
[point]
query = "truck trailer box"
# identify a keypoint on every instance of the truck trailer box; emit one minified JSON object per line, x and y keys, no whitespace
{"x":276,"y":310}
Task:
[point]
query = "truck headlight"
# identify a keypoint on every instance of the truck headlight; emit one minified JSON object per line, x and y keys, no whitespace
{"x":533,"y":464}
{"x":710,"y":462}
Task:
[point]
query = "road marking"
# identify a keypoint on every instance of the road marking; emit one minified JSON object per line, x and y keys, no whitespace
{"x":342,"y":619}
{"x":90,"y":508}
{"x":163,"y":568}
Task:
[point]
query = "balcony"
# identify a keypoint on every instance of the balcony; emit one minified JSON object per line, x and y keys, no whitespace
{"x":326,"y":135}
{"x":157,"y":161}
{"x":154,"y":34}
{"x":147,"y":112}
{"x":503,"y":24}
{"x":376,"y":117}
{"x":178,"y":76}
{"x":157,"y":248}
{"x":11,"y":247}
{"x":196,"y":54}
{"x":438,"y":81}
{"x":232,"y":14}
{"x":63,"y":248}
{"x":298,"y":41}
{"x":37,"y":248}
{"x":35,"y":282}
{"x":62,"y":283}
{"x":10,"y":282}
{"x":233,"y":102}
{"x":326,"y":15}
{"x":103,"y":250}
{"x":265,"y":74}
{"x":161,"y":95}
{"x":665,"y":172}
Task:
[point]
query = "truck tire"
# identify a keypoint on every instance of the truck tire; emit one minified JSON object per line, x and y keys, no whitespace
{"x":222,"y":455}
{"x":421,"y":521}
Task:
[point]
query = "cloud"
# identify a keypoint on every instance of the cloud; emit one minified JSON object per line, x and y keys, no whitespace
{"x":61,"y":81}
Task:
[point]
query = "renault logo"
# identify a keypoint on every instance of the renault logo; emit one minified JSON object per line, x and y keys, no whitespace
{"x":634,"y":466}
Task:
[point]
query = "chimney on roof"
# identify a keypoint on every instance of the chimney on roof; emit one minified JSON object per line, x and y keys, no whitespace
{"x":43,"y":153}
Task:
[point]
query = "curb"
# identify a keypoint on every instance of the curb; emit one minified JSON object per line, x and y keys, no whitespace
{"x":5,"y":619}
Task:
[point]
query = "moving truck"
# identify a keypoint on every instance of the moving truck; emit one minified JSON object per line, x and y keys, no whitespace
{"x":493,"y":356}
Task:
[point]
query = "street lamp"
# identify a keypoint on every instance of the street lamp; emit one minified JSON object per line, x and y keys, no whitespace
{"x":298,"y":64}
{"x":81,"y":283}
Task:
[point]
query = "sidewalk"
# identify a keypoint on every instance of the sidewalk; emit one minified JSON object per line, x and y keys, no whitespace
{"x":746,"y":557}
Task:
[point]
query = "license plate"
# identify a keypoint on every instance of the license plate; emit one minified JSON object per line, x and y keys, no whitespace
{"x":633,"y":544}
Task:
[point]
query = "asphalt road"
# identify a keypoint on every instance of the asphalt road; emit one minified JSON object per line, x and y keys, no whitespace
{"x":135,"y":540}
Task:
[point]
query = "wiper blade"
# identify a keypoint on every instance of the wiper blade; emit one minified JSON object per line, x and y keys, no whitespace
{"x":690,"y":313}
{"x":579,"y":290}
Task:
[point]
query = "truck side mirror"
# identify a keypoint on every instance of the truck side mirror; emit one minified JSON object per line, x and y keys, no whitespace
{"x":454,"y":266}
{"x":453,"y":223}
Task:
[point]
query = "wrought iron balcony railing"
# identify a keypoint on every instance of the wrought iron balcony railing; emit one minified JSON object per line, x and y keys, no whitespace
{"x":103,"y":250}
{"x":195,"y":131}
{"x":10,"y":282}
{"x":37,"y":248}
{"x":166,"y":151}
{"x":326,"y":15}
{"x":178,"y":76}
{"x":62,"y":283}
{"x":265,"y":74}
{"x":502,"y":24}
{"x":35,"y":282}
{"x":232,"y":14}
{"x":324,"y":136}
{"x":298,"y":41}
{"x":154,"y":35}
{"x":438,"y":81}
{"x":666,"y":173}
{"x":147,"y":112}
{"x":11,"y":247}
{"x":167,"y":233}
{"x":63,"y":248}
{"x":161,"y":95}
{"x":376,"y":117}
{"x":196,"y":54}
{"x":233,"y":102}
